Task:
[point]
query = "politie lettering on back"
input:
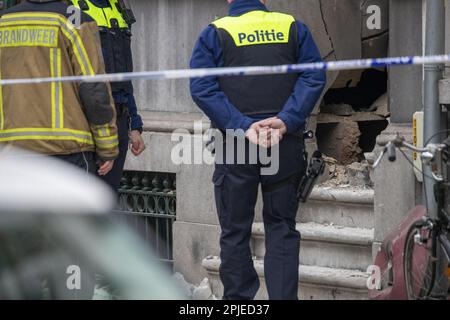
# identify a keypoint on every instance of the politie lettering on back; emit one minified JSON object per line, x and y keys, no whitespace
{"x":29,"y":36}
{"x":260,"y":36}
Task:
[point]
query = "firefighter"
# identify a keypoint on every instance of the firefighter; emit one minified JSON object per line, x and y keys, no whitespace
{"x":114,"y":20}
{"x":75,"y":122}
{"x":71,"y":121}
{"x":272,"y":111}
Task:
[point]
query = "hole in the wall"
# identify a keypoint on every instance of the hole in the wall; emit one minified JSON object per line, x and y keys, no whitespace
{"x":370,"y":130}
{"x":352,"y":117}
{"x":371,"y":86}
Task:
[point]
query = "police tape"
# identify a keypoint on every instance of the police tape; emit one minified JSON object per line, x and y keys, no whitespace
{"x":240,"y":71}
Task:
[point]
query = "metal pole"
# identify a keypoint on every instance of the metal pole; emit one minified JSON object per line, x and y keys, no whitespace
{"x":433,"y":119}
{"x":434,"y":44}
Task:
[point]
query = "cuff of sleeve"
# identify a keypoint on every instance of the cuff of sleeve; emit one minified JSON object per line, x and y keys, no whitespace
{"x":136,"y":123}
{"x":246,"y":123}
{"x":106,"y":158}
{"x":288,"y":122}
{"x":138,"y":129}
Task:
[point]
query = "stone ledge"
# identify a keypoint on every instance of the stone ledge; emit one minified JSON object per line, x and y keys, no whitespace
{"x":157,"y":121}
{"x":330,"y":277}
{"x":346,"y":195}
{"x":323,"y":233}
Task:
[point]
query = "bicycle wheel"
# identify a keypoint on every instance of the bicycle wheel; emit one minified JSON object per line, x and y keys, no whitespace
{"x":419,"y":266}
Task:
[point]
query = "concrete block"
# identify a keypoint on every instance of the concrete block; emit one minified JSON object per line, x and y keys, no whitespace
{"x":394,"y":186}
{"x":316,"y":283}
{"x":193,"y":242}
{"x":347,"y":207}
{"x":335,"y":255}
{"x":327,"y":246}
{"x":156,"y":157}
{"x":444,"y":91}
{"x":405,"y":83}
{"x":195,"y":195}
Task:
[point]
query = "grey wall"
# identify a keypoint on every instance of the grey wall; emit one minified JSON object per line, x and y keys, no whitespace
{"x":163,"y":39}
{"x":405,"y":85}
{"x":167,"y":30}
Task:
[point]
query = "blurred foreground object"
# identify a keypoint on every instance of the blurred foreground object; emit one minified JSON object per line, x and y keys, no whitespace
{"x":49,"y":216}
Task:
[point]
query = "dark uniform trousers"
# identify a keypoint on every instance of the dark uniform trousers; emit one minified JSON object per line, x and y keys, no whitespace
{"x":58,"y":289}
{"x":86,"y":161}
{"x":236,"y":190}
{"x":115,"y":175}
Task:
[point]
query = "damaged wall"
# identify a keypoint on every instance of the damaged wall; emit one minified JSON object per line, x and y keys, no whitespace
{"x":163,"y":39}
{"x":166,"y":32}
{"x":405,"y":84}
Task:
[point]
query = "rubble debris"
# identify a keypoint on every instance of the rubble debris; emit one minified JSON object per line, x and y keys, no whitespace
{"x":338,"y":109}
{"x":340,"y":141}
{"x":201,"y":292}
{"x":186,"y":287}
{"x":353,"y":175}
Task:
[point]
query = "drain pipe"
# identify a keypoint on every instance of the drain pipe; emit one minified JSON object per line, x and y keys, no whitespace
{"x":433,"y":119}
{"x":434,"y":44}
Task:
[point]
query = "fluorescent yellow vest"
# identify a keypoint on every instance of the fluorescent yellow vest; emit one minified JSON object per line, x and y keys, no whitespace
{"x":257,"y":27}
{"x":104,"y":16}
{"x":115,"y":35}
{"x":258,"y":38}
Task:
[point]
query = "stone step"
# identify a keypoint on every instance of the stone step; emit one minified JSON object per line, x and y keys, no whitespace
{"x":316,"y":283}
{"x":347,"y":207}
{"x":326,"y":246}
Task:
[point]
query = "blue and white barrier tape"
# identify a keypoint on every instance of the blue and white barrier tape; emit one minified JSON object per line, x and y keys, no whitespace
{"x":240,"y":71}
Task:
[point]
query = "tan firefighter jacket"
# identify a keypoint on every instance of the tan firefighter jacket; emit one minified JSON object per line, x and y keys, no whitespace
{"x":54,"y":118}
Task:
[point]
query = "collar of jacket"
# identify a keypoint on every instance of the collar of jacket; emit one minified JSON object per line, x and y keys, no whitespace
{"x":240,"y":7}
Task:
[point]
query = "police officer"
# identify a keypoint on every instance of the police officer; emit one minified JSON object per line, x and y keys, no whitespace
{"x":114,"y":20}
{"x":272,"y":110}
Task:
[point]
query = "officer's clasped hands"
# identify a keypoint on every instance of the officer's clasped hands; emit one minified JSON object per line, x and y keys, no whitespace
{"x":267,"y":133}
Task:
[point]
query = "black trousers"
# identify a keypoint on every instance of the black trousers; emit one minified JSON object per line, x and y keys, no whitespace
{"x":83,"y":160}
{"x":58,"y":289}
{"x":236,"y":190}
{"x":115,"y":175}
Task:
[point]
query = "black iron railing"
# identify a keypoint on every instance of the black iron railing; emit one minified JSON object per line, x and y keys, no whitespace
{"x":147,"y":203}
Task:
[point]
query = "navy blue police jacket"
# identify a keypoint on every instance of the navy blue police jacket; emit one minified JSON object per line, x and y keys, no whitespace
{"x":207,"y":94}
{"x":122,"y":96}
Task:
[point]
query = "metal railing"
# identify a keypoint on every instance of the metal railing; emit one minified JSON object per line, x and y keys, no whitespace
{"x":147,"y":203}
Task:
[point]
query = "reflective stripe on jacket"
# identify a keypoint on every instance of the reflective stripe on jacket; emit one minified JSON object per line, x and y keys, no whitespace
{"x":37,"y":40}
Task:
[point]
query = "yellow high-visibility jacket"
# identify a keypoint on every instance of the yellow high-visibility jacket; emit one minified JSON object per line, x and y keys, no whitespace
{"x":39,"y":40}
